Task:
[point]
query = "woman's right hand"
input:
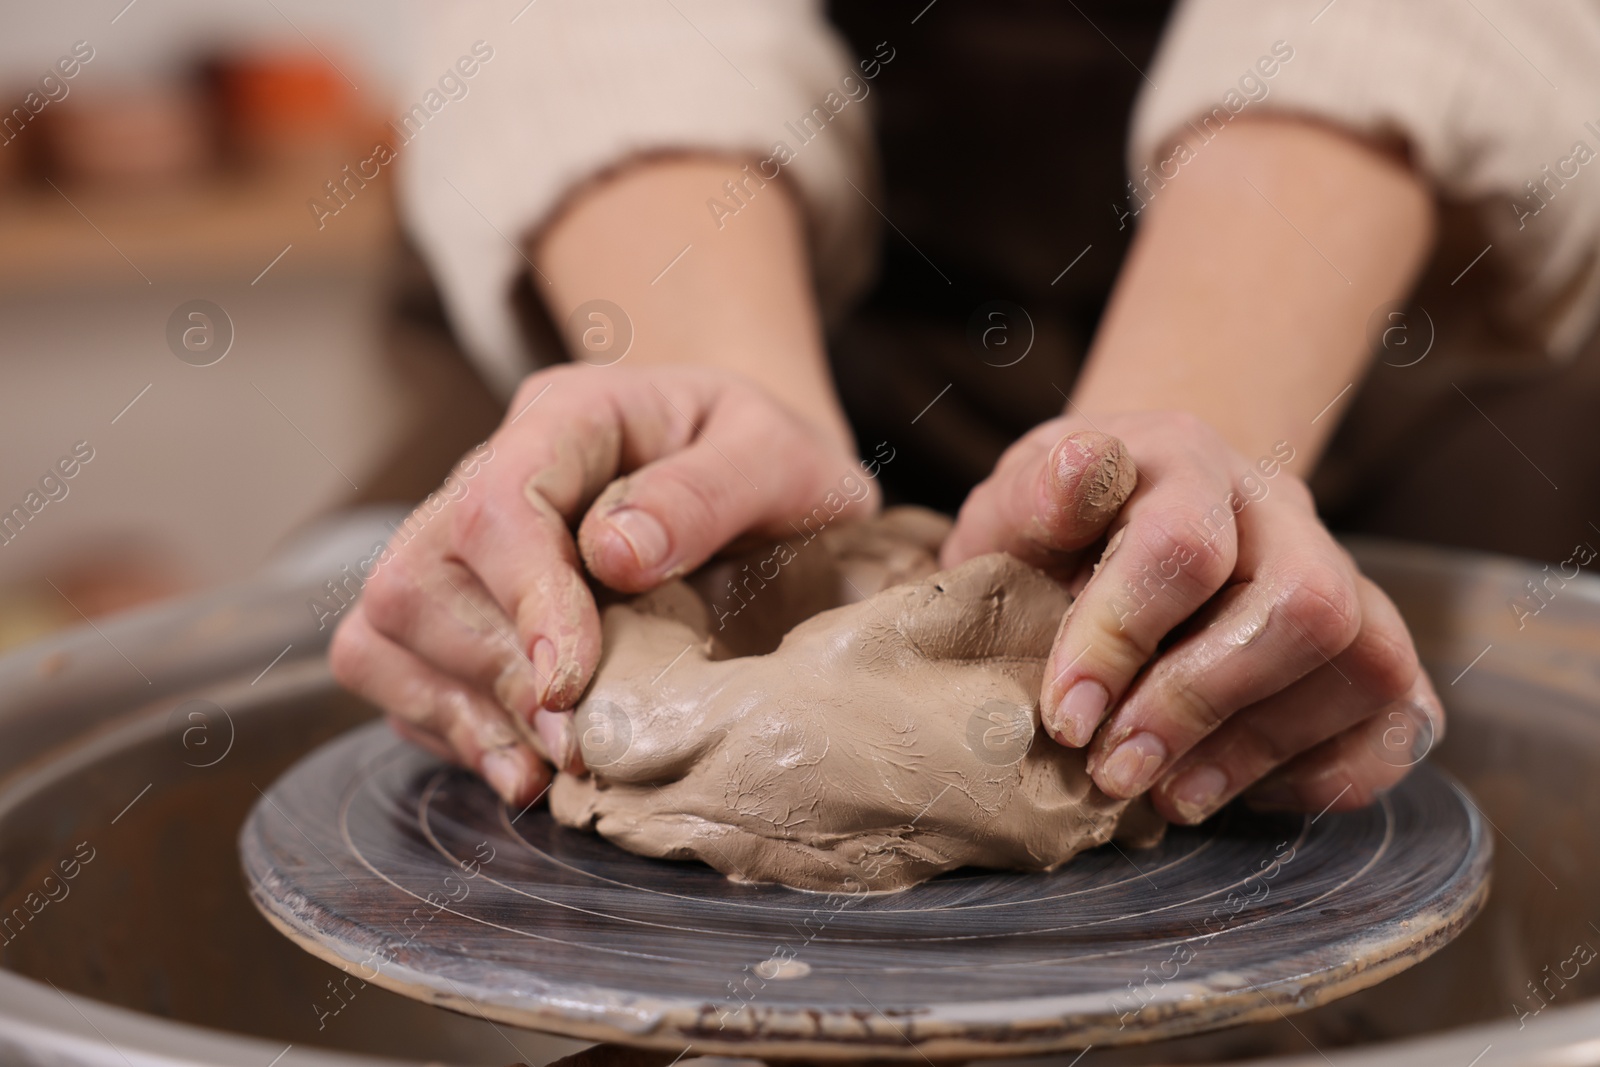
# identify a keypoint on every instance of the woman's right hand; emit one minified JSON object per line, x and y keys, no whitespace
{"x":477,"y":633}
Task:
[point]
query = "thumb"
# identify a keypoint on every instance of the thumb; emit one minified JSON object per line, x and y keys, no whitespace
{"x":1041,"y":505}
{"x":670,"y":516}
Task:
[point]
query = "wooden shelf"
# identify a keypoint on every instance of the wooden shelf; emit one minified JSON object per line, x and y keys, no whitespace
{"x":221,"y":225}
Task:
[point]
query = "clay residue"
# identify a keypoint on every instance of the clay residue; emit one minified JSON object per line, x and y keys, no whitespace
{"x":1107,"y":487}
{"x":861,"y":721}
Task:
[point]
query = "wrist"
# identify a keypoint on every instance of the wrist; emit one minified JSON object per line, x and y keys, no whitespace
{"x":691,"y":289}
{"x":1226,"y":309}
{"x":796,"y":377}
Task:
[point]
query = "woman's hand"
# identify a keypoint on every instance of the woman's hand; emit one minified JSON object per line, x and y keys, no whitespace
{"x":478,"y":631}
{"x":1225,"y":637}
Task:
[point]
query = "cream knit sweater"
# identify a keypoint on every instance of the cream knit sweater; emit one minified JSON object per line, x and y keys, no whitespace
{"x":1498,"y":100}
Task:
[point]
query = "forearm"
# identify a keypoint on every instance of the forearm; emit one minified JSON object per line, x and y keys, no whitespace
{"x":740,"y":298}
{"x":1246,"y":296}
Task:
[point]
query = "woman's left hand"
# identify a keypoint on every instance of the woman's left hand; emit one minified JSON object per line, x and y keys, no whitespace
{"x":1225,"y":643}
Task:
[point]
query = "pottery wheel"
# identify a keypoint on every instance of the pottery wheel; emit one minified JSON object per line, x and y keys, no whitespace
{"x":405,"y":872}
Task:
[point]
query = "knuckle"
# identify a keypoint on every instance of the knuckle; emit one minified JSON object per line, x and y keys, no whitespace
{"x":1258,"y":746}
{"x":1190,"y":547}
{"x":1189,"y":704}
{"x":470,"y":524}
{"x":755,"y":421}
{"x":1118,"y":645}
{"x":1272,"y":748}
{"x":1386,"y":662}
{"x":468,"y":724}
{"x":696,"y":501}
{"x":1322,"y":605}
{"x":452,"y":716}
{"x":1129,"y":648}
{"x":392,"y":599}
{"x":348,"y":656}
{"x":1115,"y":624}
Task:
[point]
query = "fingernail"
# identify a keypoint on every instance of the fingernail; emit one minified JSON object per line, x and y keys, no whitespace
{"x":1098,"y":470}
{"x":1078,"y":715}
{"x":644,"y":534}
{"x":1132,"y":765}
{"x":502,"y":771}
{"x":543,"y":657}
{"x":555,"y":730}
{"x":1196,"y":791}
{"x":1068,"y":462}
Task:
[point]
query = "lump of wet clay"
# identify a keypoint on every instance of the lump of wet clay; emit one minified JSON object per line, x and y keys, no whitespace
{"x":837,"y":713}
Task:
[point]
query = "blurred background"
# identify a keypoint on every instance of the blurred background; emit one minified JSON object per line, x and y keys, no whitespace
{"x":175,"y":164}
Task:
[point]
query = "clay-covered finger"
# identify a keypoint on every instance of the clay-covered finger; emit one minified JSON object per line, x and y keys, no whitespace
{"x":1289,"y":614}
{"x":1045,"y":501}
{"x":1378,"y":673}
{"x":434,"y":607}
{"x":1172,"y":548}
{"x":749,"y":468}
{"x":477,"y":732}
{"x":439,"y":611}
{"x":512,"y":531}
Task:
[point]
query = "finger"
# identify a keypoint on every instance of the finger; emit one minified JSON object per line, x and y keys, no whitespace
{"x":471,"y":726}
{"x":1044,"y":503}
{"x":421,"y":738}
{"x":1377,"y":673}
{"x":1175,"y":545}
{"x":1289,"y":615}
{"x":750,"y":469}
{"x":512,"y":529}
{"x":1343,"y":773}
{"x":438,"y":611}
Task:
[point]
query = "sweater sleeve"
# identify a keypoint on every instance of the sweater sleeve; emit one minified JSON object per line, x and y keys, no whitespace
{"x":565,"y":89}
{"x":1497,"y":100}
